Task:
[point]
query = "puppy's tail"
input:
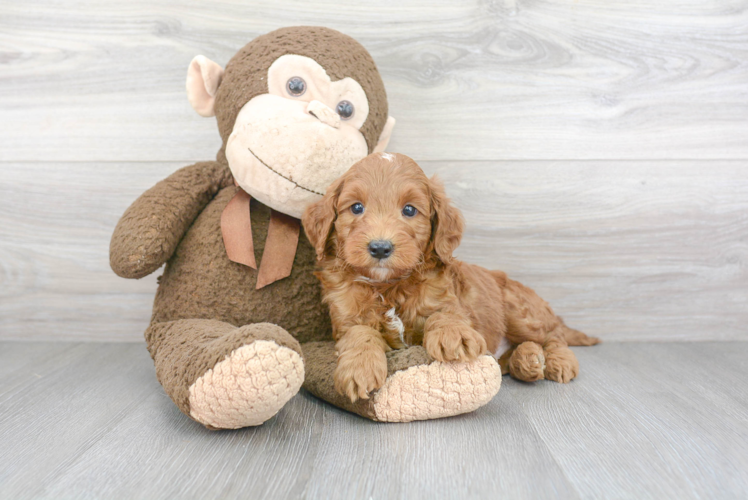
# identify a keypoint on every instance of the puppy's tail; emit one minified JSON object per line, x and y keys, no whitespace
{"x":575,"y":337}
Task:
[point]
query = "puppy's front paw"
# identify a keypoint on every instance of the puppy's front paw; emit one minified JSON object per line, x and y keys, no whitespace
{"x":454,"y":342}
{"x":561,"y":365}
{"x":359,"y":372}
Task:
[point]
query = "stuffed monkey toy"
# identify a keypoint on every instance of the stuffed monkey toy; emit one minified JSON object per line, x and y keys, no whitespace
{"x":238,"y":323}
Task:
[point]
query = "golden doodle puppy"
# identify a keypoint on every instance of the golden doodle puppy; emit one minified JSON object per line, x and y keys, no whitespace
{"x":384,"y":234}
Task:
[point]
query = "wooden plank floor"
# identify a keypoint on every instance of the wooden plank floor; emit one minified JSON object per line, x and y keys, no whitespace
{"x":643,"y":420}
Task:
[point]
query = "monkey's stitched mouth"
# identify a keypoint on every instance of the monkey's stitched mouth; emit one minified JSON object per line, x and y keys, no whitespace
{"x":283,"y":176}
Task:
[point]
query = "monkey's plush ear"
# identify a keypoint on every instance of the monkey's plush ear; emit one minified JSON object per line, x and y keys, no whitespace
{"x":384,"y":137}
{"x":447,"y":223}
{"x":203,"y":78}
{"x":319,"y":217}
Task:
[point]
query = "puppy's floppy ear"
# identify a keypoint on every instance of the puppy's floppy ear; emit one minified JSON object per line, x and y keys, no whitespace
{"x":319,"y":217}
{"x":447,"y":223}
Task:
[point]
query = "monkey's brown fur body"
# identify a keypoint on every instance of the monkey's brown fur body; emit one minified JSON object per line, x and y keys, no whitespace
{"x":228,"y":354}
{"x":419,"y":294}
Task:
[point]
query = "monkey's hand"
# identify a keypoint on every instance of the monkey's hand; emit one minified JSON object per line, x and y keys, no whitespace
{"x":150,"y":229}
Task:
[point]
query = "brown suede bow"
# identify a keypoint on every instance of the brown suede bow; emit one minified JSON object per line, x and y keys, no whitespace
{"x":280,"y":245}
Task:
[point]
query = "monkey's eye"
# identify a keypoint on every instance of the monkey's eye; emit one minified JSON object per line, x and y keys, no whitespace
{"x":344,"y":109}
{"x":296,"y":86}
{"x":409,"y":211}
{"x":357,"y":209}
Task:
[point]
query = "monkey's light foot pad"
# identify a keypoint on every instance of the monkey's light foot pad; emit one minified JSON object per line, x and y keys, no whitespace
{"x":437,"y":390}
{"x":248,"y":387}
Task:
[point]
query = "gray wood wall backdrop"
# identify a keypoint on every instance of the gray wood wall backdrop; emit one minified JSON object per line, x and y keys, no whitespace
{"x":598,"y":148}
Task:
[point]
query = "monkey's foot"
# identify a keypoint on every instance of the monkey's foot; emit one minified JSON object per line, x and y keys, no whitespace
{"x":416,"y":388}
{"x":223,"y":376}
{"x":248,"y":387}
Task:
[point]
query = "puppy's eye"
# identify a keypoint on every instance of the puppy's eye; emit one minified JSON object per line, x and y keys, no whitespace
{"x":296,"y":86}
{"x":357,"y":209}
{"x":409,"y":211}
{"x":345,"y":110}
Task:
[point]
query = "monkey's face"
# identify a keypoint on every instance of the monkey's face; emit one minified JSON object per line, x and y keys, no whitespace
{"x":295,"y":108}
{"x":288,"y":145}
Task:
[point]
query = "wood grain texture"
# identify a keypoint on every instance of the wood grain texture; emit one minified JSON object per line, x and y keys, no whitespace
{"x":473,"y":456}
{"x":648,"y":421}
{"x":643,"y":420}
{"x":178,"y":458}
{"x":598,"y":150}
{"x":475,"y":79}
{"x":59,"y":406}
{"x":55,"y":224}
{"x":623,"y":250}
{"x":638,"y":246}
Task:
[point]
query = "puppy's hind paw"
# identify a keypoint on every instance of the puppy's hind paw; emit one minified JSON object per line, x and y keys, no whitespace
{"x":561,"y":365}
{"x":527,"y":362}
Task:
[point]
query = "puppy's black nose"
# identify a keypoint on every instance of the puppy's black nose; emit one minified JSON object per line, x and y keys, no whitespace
{"x":380,"y":249}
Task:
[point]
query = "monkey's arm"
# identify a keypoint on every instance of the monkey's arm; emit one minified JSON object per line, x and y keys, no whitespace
{"x":150,"y":229}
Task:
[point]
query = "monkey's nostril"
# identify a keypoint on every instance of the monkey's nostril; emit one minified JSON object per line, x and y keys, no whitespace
{"x":380,"y":249}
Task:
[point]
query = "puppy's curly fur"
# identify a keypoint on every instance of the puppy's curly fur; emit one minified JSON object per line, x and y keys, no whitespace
{"x":418,"y":293}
